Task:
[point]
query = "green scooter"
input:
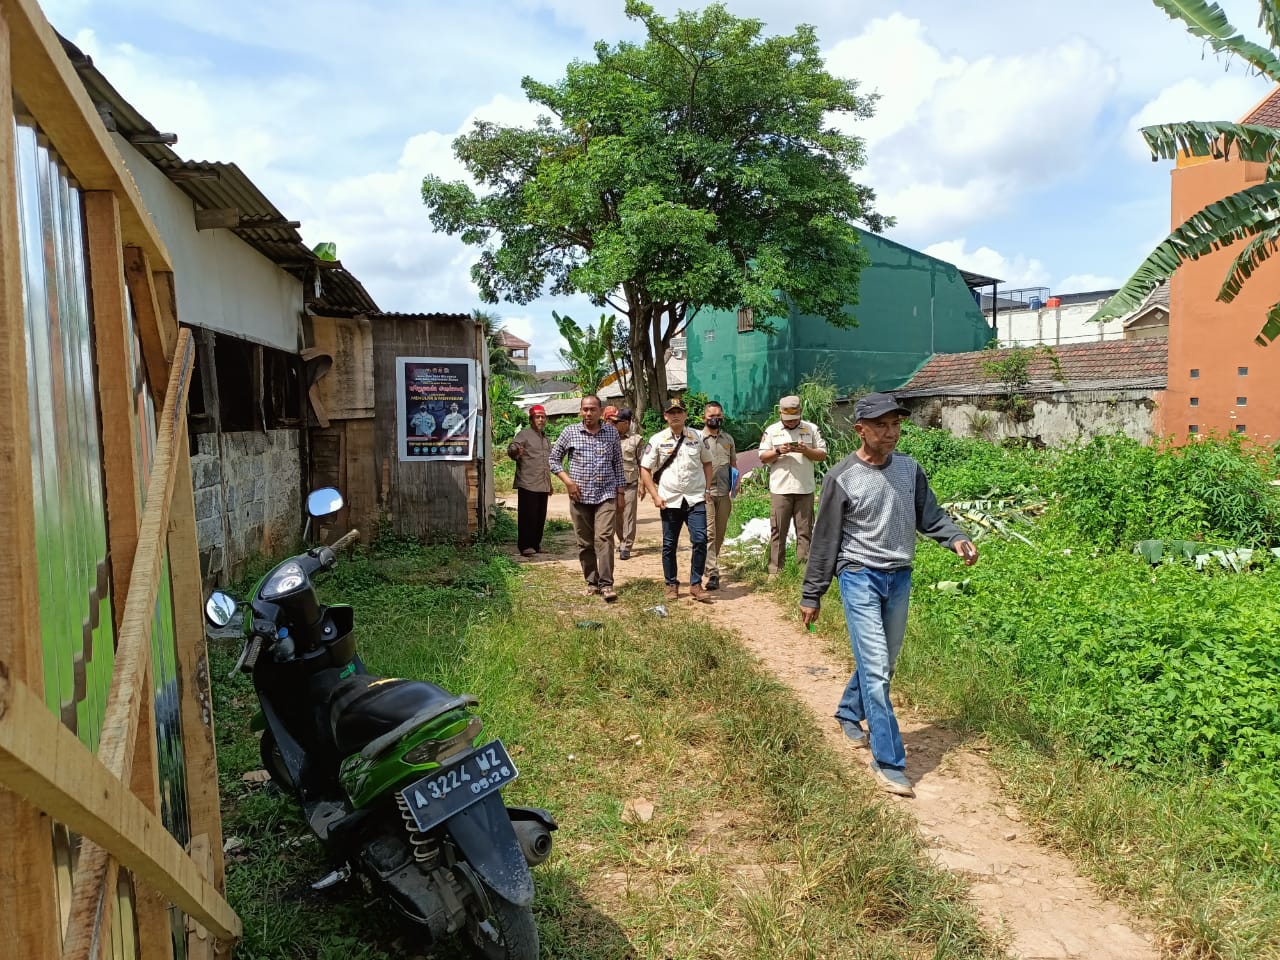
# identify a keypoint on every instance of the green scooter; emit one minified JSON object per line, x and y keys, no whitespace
{"x":393,"y":776}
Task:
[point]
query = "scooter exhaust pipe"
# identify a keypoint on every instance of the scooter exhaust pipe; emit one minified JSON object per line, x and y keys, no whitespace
{"x":535,"y":840}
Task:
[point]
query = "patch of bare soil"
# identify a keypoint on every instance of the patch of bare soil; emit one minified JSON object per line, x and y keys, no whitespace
{"x":1031,"y":895}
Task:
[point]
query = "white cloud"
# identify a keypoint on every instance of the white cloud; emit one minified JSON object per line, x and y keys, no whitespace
{"x":956,"y":140}
{"x":1016,"y":271}
{"x":1225,"y":98}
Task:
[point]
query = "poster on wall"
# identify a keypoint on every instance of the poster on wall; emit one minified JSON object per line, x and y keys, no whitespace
{"x":437,"y":407}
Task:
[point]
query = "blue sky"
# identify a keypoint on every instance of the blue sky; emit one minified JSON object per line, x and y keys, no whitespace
{"x":1005,"y":140}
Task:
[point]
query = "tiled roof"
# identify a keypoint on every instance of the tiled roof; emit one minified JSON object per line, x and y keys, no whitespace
{"x":509,"y":340}
{"x":1267,"y":112}
{"x":1097,"y":364}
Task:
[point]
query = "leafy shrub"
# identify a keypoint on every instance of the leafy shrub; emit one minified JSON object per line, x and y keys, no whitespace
{"x":969,"y":467}
{"x":1151,"y":669}
{"x":1114,"y":491}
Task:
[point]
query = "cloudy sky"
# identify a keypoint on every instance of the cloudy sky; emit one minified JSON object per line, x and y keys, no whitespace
{"x":1005,"y":140}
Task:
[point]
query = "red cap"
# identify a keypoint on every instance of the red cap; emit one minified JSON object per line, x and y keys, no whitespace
{"x":537,"y":408}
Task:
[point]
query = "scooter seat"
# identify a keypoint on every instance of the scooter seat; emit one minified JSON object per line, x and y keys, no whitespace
{"x":363,"y":707}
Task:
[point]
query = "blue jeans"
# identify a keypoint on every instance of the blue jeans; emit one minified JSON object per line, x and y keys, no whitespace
{"x":694,"y":515}
{"x":875,"y":610}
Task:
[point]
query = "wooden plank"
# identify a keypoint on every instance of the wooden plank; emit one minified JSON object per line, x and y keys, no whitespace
{"x":28,"y":893}
{"x":133,"y":644}
{"x":346,"y":390}
{"x":198,"y":744}
{"x":46,"y":82}
{"x":200,"y":946}
{"x":113,"y":337}
{"x":167,"y":300}
{"x":44,"y":762}
{"x":362,"y":477}
{"x":156,"y":353}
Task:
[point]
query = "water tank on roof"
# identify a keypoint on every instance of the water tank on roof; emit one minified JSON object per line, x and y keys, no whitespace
{"x":1035,"y":303}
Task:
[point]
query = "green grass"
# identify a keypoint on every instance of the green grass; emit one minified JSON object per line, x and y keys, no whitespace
{"x":759,"y":845}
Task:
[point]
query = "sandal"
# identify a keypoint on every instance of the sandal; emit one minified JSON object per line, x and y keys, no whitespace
{"x":608,"y":594}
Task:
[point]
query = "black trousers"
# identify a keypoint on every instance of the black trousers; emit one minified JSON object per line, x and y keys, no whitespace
{"x":531,"y":517}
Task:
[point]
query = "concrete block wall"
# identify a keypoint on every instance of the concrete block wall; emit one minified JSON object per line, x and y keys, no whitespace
{"x":248,"y":493}
{"x":1057,"y":420}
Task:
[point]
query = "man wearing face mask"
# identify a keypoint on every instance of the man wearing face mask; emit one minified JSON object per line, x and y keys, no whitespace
{"x":724,"y":457}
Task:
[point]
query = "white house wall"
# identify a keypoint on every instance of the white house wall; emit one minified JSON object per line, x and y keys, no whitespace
{"x":224,"y":284}
{"x":1055,"y":326}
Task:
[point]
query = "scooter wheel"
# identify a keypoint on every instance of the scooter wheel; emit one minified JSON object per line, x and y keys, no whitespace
{"x":273,"y":762}
{"x":507,"y":933}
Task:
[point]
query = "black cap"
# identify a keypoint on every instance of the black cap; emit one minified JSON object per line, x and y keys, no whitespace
{"x":673,"y":404}
{"x":624,"y":414}
{"x":877,"y":405}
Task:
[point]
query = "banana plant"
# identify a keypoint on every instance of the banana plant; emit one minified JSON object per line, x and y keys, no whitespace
{"x":1250,"y":216}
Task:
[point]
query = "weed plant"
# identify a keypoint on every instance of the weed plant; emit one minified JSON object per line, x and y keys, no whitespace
{"x":1115,"y":491}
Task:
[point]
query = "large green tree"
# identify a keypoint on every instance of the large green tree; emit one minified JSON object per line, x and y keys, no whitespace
{"x":1250,"y":216}
{"x":699,"y":168}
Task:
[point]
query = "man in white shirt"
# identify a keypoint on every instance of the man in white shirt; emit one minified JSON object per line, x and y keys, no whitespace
{"x":675,"y":468}
{"x":790,"y":448}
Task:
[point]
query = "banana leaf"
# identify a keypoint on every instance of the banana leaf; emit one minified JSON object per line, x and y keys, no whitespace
{"x":1240,"y":216}
{"x":1210,"y":23}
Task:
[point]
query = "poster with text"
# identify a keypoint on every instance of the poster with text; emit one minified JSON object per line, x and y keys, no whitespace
{"x":437,"y":406}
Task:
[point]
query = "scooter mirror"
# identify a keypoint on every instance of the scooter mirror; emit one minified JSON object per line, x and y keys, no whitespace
{"x":219,"y":609}
{"x":324,"y":501}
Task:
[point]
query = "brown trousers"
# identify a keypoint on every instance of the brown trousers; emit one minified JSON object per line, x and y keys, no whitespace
{"x":783,"y":509}
{"x":593,"y":524}
{"x":718,"y":510}
{"x":624,"y":528}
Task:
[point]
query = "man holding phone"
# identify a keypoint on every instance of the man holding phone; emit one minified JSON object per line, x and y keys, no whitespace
{"x":790,"y":448}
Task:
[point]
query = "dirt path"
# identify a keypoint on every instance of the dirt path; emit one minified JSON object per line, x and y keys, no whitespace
{"x":1032,"y":895}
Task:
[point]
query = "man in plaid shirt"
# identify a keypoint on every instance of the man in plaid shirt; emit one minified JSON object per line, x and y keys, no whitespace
{"x":596,"y":488}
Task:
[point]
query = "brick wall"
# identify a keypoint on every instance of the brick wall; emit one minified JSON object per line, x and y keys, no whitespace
{"x":248,"y":492}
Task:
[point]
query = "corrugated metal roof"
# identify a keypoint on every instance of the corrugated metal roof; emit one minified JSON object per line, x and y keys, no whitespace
{"x":222,"y":186}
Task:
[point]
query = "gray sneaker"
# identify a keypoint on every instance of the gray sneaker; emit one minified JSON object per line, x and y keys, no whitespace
{"x":892,"y":781}
{"x":854,"y":732}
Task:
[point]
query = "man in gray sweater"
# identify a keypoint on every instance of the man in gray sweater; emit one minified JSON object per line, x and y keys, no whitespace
{"x":873,"y":503}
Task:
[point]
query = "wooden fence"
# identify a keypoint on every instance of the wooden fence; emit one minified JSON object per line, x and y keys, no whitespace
{"x":109,"y":797}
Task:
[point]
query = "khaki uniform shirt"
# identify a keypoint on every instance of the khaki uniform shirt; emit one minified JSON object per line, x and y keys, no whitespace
{"x":791,"y":472}
{"x":723,"y":450}
{"x":532,"y":471}
{"x":632,"y":444}
{"x":684,"y":479}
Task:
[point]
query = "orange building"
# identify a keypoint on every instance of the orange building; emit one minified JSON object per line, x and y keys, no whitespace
{"x":1219,"y":378}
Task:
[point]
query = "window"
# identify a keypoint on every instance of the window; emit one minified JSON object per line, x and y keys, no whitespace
{"x":1195,"y":374}
{"x":746,"y":320}
{"x":1242,"y":371}
{"x":709,"y":336}
{"x":1193,"y":428}
{"x":1195,"y":401}
{"x":1241,"y":401}
{"x":1240,"y":428}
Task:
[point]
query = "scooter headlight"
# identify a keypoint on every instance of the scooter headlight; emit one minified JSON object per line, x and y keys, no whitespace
{"x":283,"y":581}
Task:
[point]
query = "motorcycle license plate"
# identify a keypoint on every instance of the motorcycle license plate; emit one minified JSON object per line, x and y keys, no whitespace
{"x":437,"y":797}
